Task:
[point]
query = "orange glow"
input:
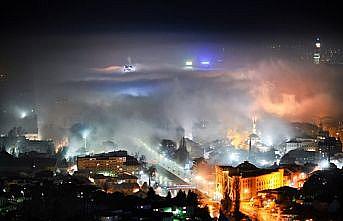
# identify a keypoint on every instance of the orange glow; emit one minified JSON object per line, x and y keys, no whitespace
{"x":238,"y":139}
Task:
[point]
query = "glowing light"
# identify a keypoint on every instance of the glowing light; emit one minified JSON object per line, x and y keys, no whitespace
{"x":198,"y":177}
{"x":263,"y":148}
{"x":302,"y":175}
{"x":263,"y":162}
{"x":72,"y":169}
{"x":318,"y":45}
{"x":188,"y":63}
{"x":129,"y":68}
{"x":91,"y":179}
{"x":324,"y":164}
{"x":23,"y":114}
{"x":205,"y":62}
{"x":237,"y":138}
{"x":85,"y":133}
{"x":269,"y":140}
{"x":234,"y":157}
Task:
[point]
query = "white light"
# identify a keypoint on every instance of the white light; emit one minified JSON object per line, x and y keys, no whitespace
{"x":85,"y":134}
{"x":205,"y":62}
{"x":23,"y":114}
{"x":318,"y":45}
{"x":263,"y":162}
{"x":269,"y":140}
{"x":129,"y":68}
{"x":189,"y":63}
{"x":234,"y":157}
{"x":199,"y":178}
{"x":324,"y":164}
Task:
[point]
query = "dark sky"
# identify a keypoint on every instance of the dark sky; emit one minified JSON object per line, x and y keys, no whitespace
{"x":244,"y":16}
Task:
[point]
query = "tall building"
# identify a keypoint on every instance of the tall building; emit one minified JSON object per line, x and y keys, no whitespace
{"x":246,"y":180}
{"x":316,"y":53}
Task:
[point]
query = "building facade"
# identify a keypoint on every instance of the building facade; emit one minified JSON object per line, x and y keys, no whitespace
{"x":246,"y":180}
{"x":111,"y":163}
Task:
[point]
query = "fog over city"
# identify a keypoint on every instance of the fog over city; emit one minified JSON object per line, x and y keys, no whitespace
{"x":78,"y":80}
{"x":171,"y":110}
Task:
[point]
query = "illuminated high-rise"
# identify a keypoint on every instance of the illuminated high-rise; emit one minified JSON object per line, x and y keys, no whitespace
{"x":316,"y":53}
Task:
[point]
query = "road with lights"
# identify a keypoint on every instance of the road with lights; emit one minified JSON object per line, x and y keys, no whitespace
{"x":166,"y":163}
{"x":204,"y":186}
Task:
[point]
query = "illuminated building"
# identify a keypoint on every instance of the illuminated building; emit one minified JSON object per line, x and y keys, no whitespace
{"x":296,"y":175}
{"x":40,"y":146}
{"x":316,"y":54}
{"x":329,"y":147}
{"x":300,"y":157}
{"x":246,"y":180}
{"x":31,"y":136}
{"x":111,"y":163}
{"x":276,"y":198}
{"x":294,"y":178}
{"x":122,"y":182}
{"x":299,"y":143}
{"x":24,"y":145}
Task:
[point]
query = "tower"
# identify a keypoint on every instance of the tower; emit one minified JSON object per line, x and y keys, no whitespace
{"x":316,"y":53}
{"x":249,"y":153}
{"x":254,"y":131}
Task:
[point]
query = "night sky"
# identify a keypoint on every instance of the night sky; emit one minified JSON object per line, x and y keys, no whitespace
{"x":259,"y":17}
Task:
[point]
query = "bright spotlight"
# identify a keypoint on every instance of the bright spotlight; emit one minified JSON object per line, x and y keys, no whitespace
{"x":205,"y":62}
{"x":23,"y":114}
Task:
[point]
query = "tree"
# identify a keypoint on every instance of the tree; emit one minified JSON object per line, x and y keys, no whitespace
{"x":168,"y":197}
{"x":222,"y":217}
{"x":226,"y":203}
{"x":151,"y":194}
{"x":145,"y":187}
{"x":180,"y":198}
{"x":202,"y":213}
{"x":192,"y":199}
